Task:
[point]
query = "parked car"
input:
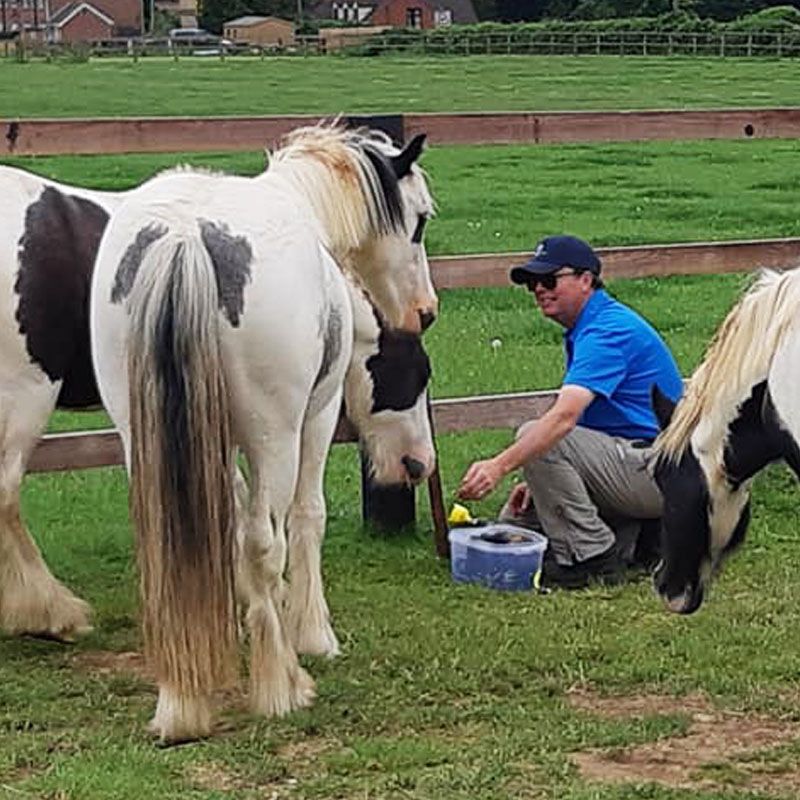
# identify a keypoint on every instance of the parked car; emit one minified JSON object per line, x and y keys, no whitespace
{"x":198,"y":39}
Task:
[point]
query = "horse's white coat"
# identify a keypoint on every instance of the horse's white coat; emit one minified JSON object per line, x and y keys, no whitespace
{"x":282,"y":416}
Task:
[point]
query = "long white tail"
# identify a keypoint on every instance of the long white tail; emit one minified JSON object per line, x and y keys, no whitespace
{"x":182,"y":468}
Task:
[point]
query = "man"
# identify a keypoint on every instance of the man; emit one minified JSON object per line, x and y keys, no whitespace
{"x":584,"y":460}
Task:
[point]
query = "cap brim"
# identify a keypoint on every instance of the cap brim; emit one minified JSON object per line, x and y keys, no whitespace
{"x":522,"y":272}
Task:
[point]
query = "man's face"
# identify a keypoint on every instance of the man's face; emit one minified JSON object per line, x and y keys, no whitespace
{"x":564,"y":301}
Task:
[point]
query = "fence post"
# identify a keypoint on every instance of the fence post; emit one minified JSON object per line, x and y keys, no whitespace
{"x":722,"y":45}
{"x":749,"y":45}
{"x":780,"y":44}
{"x":597,"y":44}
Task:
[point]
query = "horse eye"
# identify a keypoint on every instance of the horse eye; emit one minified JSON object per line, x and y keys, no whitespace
{"x":419,"y":230}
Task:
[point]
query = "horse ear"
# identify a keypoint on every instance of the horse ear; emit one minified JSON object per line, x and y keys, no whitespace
{"x":662,"y":406}
{"x":413,"y":150}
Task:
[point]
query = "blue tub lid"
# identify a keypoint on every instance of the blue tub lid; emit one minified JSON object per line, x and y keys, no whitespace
{"x":499,"y":537}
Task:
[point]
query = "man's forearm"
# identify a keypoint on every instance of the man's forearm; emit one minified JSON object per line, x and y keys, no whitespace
{"x":538,"y":439}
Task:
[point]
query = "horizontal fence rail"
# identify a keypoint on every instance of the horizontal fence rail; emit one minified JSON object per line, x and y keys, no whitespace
{"x":69,"y":451}
{"x":484,"y":271}
{"x":194,"y":134}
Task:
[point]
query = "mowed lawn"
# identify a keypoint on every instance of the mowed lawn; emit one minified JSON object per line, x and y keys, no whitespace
{"x":444,"y":690}
{"x":313,"y":85}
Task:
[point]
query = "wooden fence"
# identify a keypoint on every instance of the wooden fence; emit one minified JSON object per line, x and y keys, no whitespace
{"x":441,"y":42}
{"x":185,"y":134}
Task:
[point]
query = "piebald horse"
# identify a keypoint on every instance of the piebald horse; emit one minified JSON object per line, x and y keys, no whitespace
{"x":49,"y":234}
{"x":219,"y":320}
{"x":741,"y":411}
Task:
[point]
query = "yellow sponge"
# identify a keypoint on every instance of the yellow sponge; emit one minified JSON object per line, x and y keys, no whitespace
{"x":459,"y":515}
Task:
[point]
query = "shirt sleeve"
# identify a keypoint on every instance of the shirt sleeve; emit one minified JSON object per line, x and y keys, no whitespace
{"x":599,"y":361}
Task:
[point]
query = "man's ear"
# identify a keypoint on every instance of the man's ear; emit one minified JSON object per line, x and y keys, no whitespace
{"x":662,"y":406}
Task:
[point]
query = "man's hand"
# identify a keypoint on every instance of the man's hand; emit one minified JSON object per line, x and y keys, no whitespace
{"x":480,"y":479}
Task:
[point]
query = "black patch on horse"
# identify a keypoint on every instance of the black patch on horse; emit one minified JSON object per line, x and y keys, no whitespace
{"x":232,"y":257}
{"x":756,"y":438}
{"x":400,"y":371}
{"x":685,"y":533}
{"x":56,"y":258}
{"x":331,"y":331}
{"x":132,"y":259}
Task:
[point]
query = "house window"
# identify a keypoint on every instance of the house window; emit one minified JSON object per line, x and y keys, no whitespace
{"x":414,"y":17}
{"x":442,"y":17}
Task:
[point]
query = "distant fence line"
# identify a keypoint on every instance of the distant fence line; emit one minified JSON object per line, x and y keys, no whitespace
{"x":194,"y":134}
{"x":749,"y":44}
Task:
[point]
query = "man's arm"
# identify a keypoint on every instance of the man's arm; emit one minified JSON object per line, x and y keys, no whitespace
{"x":539,"y":437}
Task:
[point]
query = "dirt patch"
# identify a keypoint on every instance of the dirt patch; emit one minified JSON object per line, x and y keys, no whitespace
{"x":215,"y":777}
{"x":107,"y":663}
{"x":721,"y":749}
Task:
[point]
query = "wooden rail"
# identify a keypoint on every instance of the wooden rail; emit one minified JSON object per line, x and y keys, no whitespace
{"x":700,"y":258}
{"x":184,"y":134}
{"x":67,"y":451}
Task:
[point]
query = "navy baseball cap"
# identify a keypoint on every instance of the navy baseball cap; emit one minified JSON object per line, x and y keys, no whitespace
{"x":555,"y":252}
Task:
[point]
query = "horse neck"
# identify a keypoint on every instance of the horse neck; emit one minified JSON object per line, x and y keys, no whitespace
{"x":751,"y":439}
{"x":335,"y":200}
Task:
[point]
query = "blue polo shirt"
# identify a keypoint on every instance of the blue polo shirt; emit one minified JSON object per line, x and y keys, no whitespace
{"x":616,"y":354}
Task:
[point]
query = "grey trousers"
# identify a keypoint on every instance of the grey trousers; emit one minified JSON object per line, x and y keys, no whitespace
{"x":590,"y":491}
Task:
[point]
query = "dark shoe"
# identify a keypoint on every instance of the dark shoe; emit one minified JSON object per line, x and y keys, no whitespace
{"x":605,"y":569}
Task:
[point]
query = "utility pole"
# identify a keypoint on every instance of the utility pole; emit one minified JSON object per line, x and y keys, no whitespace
{"x":3,"y":14}
{"x":299,"y":11}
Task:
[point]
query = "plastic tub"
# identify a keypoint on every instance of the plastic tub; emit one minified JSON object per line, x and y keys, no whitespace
{"x":498,"y":555}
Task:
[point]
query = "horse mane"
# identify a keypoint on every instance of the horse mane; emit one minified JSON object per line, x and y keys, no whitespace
{"x":347,"y":178}
{"x":738,"y":357}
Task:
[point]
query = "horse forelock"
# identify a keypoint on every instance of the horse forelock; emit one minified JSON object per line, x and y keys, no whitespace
{"x":738,"y":357}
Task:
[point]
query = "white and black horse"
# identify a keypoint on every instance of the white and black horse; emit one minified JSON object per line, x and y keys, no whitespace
{"x":740,"y":412}
{"x":219,"y":320}
{"x":49,"y":234}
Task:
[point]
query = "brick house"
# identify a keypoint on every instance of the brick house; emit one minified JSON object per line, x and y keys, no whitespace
{"x":424,"y":14}
{"x":72,"y":20}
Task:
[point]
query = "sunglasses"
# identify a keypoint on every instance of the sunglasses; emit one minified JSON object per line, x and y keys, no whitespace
{"x":550,"y":280}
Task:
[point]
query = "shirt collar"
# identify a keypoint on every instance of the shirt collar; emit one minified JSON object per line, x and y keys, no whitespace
{"x":591,"y":308}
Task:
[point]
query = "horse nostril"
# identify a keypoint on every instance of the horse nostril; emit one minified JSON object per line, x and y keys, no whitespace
{"x":426,"y":319}
{"x":414,"y":468}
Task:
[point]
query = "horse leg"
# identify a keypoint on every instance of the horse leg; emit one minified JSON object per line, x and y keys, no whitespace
{"x":278,"y":684}
{"x":307,"y":614}
{"x":32,"y":601}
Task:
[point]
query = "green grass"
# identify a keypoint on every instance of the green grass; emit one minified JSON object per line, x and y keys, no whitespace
{"x":442,"y":690}
{"x":507,"y":197}
{"x":389,"y":84}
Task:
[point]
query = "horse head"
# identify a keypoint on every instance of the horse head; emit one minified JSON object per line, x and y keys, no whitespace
{"x":704,"y":517}
{"x":372,"y":202}
{"x":386,"y":397}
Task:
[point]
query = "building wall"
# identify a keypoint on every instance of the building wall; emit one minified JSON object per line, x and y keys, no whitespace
{"x":127,"y":14}
{"x":21,"y":14}
{"x":83,"y":27}
{"x":275,"y":33}
{"x":396,"y":13}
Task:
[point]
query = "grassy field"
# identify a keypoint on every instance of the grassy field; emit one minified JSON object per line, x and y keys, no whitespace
{"x":444,"y":690}
{"x":389,"y":84}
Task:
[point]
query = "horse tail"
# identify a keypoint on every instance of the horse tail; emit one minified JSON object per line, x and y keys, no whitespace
{"x":182,"y":467}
